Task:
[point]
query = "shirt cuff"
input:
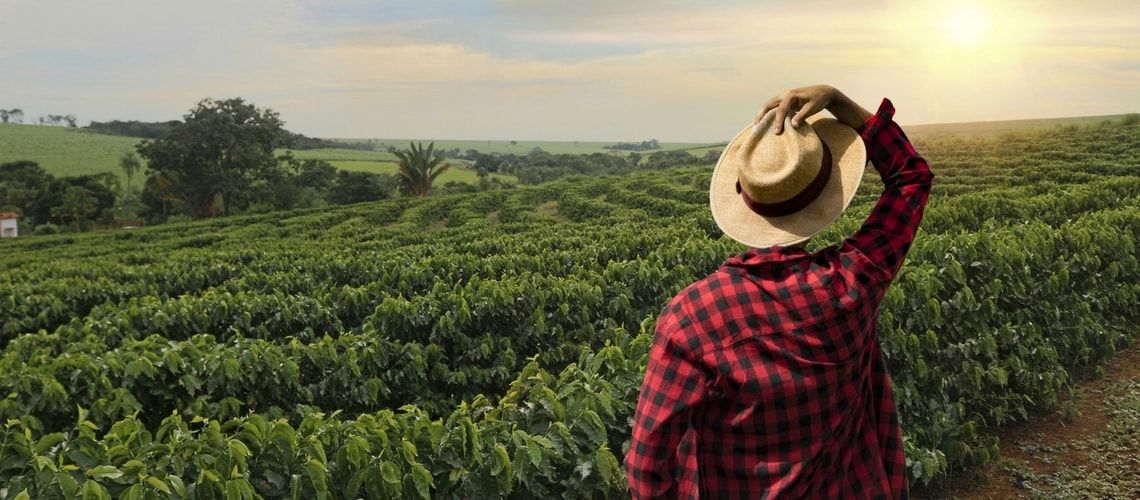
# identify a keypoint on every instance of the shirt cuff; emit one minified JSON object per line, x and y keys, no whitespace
{"x":877,"y":121}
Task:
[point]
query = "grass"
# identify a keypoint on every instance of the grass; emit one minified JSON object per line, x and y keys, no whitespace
{"x":522,"y":147}
{"x":64,"y":151}
{"x":455,"y":173}
{"x":330,"y":154}
{"x":1112,"y":467}
{"x":993,"y":128}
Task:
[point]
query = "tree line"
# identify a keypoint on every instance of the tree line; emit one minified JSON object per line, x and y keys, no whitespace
{"x":16,"y":115}
{"x":154,"y":130}
{"x":649,"y":145}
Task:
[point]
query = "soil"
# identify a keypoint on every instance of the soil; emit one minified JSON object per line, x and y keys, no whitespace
{"x":1035,"y":453}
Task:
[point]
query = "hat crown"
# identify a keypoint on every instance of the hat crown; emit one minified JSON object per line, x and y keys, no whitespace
{"x":775,"y":168}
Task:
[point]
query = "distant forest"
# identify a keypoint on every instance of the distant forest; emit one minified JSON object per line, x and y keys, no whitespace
{"x":649,"y":145}
{"x":154,"y":130}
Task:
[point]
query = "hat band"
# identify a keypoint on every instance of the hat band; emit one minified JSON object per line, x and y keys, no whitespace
{"x":800,"y":200}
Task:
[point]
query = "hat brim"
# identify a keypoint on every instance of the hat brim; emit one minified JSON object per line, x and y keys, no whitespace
{"x":849,"y":160}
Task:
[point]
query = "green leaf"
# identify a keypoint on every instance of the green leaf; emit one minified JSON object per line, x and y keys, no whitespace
{"x":318,"y":476}
{"x":157,"y":484}
{"x":105,"y":472}
{"x":535,"y":452}
{"x":233,"y":490}
{"x":48,"y":441}
{"x":81,"y":458}
{"x":67,"y":485}
{"x":423,"y":480}
{"x":134,"y":466}
{"x":389,"y":473}
{"x":409,"y":451}
{"x":499,"y":459}
{"x":238,"y":449}
{"x":607,"y":465}
{"x":177,"y":486}
{"x":212,"y":476}
{"x":135,"y":492}
{"x":94,"y":491}
{"x":357,"y":450}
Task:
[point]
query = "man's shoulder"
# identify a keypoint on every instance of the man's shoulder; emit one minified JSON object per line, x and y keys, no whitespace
{"x":706,"y":290}
{"x":690,"y":313}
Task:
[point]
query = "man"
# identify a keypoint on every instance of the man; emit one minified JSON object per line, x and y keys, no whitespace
{"x":766,"y":379}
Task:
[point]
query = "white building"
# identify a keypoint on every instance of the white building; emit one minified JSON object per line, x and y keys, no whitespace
{"x":8,"y":224}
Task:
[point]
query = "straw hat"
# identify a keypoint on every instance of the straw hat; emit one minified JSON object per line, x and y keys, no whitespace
{"x":770,"y":189}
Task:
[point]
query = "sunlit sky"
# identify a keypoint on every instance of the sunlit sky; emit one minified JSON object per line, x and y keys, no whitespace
{"x":565,"y":70}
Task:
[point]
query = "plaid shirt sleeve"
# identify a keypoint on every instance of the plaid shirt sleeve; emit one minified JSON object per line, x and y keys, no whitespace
{"x":879,"y":247}
{"x":662,"y":432}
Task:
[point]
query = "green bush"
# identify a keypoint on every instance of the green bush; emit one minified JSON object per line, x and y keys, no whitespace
{"x":46,"y":228}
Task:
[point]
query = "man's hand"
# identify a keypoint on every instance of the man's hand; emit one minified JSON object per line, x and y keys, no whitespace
{"x":806,"y":101}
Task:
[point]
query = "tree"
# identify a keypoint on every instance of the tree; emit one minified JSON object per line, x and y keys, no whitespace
{"x":419,"y":167}
{"x":634,"y":158}
{"x":14,"y":114}
{"x":666,"y":159}
{"x":157,"y":197}
{"x":78,"y":203}
{"x":130,"y":164}
{"x":488,"y":163}
{"x":217,"y":152}
{"x":317,"y":175}
{"x":356,"y":187}
{"x":484,"y":178}
{"x":70,"y":119}
{"x":22,"y":183}
{"x":101,"y":186}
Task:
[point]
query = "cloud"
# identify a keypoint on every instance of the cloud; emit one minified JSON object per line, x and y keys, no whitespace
{"x":515,"y":69}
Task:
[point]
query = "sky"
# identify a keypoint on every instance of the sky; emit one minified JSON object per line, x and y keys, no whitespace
{"x":610,"y":70}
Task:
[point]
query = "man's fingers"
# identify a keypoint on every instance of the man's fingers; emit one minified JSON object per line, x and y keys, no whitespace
{"x":768,"y":106}
{"x":810,"y":108}
{"x":782,"y":111}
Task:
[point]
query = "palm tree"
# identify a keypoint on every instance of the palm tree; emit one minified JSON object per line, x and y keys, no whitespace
{"x":419,"y":167}
{"x":130,"y":165}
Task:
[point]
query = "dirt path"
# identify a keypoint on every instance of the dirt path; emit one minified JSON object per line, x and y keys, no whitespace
{"x":1093,"y":454}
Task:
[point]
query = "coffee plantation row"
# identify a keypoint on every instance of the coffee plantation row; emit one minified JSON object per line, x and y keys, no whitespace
{"x":493,"y":344}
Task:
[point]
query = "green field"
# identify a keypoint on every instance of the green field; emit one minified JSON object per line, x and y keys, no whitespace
{"x":492,"y":345}
{"x":64,"y":151}
{"x":456,"y":173}
{"x":992,"y":128}
{"x":383,"y":162}
{"x":331,"y":154}
{"x":521,"y":147}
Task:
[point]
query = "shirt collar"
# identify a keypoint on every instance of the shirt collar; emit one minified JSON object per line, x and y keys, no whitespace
{"x":758,"y":256}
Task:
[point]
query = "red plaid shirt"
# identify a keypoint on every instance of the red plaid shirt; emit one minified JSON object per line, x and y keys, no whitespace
{"x":766,"y":378}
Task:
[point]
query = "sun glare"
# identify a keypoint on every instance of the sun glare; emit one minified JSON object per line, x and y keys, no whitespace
{"x":967,"y":26}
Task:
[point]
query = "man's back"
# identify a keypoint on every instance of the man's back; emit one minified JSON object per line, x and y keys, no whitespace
{"x":766,"y":377}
